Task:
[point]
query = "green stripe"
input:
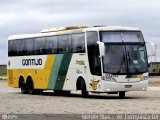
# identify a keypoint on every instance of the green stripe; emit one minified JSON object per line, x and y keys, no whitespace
{"x":59,"y":71}
{"x":63,"y":71}
{"x":55,"y":71}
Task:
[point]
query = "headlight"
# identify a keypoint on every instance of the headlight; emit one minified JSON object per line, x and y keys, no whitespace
{"x":144,"y":78}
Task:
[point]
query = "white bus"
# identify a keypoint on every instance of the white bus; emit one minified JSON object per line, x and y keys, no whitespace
{"x":104,"y":59}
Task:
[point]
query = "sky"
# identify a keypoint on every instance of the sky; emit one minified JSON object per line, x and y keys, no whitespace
{"x":31,"y":16}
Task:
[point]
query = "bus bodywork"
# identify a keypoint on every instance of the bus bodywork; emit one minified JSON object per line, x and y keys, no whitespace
{"x":76,"y":62}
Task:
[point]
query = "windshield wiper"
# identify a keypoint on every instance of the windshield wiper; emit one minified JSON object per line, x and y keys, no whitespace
{"x":129,"y":58}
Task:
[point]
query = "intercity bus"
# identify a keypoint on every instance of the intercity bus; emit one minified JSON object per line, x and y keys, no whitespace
{"x":99,"y":59}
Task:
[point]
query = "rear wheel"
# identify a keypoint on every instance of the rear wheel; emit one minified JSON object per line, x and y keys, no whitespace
{"x":30,"y":87}
{"x":83,"y":89}
{"x":121,"y":94}
{"x":23,"y":87}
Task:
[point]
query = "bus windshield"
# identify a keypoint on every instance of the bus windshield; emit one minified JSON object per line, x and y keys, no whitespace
{"x":125,"y":57}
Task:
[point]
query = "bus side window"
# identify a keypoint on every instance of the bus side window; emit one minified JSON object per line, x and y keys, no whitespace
{"x":39,"y":46}
{"x":11,"y":48}
{"x":51,"y":44}
{"x":64,"y":44}
{"x":19,"y":47}
{"x":78,"y":43}
{"x":28,"y":47}
{"x":93,"y":53}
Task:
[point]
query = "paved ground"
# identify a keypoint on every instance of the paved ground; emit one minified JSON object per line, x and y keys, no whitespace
{"x":154,"y":78}
{"x":13,"y":102}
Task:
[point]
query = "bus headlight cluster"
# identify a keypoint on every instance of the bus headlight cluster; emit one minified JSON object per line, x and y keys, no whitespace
{"x":144,"y":78}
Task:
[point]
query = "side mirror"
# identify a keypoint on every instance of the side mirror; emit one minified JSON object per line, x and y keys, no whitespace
{"x":101,"y":49}
{"x":152,"y":47}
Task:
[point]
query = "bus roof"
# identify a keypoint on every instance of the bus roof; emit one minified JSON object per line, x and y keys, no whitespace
{"x":112,"y":28}
{"x":71,"y":29}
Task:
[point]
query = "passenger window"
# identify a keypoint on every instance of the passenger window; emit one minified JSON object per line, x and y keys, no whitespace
{"x":51,"y":44}
{"x":11,"y":48}
{"x":64,"y":44}
{"x":19,"y":44}
{"x":78,"y":43}
{"x":28,"y":47}
{"x":39,"y":46}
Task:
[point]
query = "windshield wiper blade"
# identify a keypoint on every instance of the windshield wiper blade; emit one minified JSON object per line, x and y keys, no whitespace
{"x":129,"y":58}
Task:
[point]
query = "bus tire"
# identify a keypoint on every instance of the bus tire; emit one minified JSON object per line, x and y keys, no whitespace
{"x":23,"y":87}
{"x":122,"y":94}
{"x":30,"y":87}
{"x":83,"y":89}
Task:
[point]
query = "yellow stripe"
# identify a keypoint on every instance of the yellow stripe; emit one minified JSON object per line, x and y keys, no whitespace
{"x":49,"y":61}
{"x":46,"y":72}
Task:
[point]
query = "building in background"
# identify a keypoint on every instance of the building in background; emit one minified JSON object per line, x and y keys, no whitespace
{"x":3,"y":70}
{"x":154,"y":68}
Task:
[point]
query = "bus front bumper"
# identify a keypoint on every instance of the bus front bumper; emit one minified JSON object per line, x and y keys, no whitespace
{"x":107,"y":86}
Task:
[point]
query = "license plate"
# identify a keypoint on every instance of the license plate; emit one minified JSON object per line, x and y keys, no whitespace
{"x":128,"y":86}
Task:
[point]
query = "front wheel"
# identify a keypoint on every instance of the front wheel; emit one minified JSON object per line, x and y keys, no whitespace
{"x":83,"y":89}
{"x":121,"y":94}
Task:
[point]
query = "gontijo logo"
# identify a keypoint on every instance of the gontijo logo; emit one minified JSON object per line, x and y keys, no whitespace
{"x":29,"y":62}
{"x":94,"y":84}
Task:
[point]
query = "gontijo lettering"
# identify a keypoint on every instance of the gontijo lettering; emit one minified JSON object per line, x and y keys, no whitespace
{"x":29,"y":62}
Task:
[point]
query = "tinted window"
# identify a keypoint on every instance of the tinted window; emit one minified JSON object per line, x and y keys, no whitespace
{"x":92,"y":38}
{"x":93,"y":53}
{"x":19,"y":45}
{"x":11,"y":48}
{"x":64,"y":43}
{"x":51,"y":44}
{"x":28,"y":47}
{"x":39,"y":46}
{"x":121,"y":36}
{"x":78,"y":43}
{"x":133,"y":37}
{"x":47,"y":45}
